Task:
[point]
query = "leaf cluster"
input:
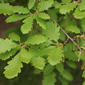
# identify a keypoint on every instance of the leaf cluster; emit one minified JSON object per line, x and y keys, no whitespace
{"x":51,"y":37}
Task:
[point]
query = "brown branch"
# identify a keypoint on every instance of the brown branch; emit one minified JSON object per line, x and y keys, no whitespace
{"x":66,"y":41}
{"x":74,"y":38}
{"x":68,"y":36}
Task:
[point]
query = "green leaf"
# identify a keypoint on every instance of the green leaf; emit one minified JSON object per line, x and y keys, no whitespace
{"x":82,"y":5}
{"x":83,"y":75}
{"x":7,"y":55}
{"x":55,"y":55}
{"x":41,"y":23}
{"x":52,"y":31}
{"x":37,"y":71}
{"x":48,"y":69}
{"x":27,"y":26}
{"x":6,"y":45}
{"x":67,"y":8}
{"x":15,"y":17}
{"x":81,"y":56}
{"x":31,"y":4}
{"x":71,"y":64}
{"x":13,"y":36}
{"x":53,"y":13}
{"x":83,"y":83}
{"x":67,"y":75}
{"x":66,"y":1}
{"x":45,"y":5}
{"x":20,"y":10}
{"x":13,"y":68}
{"x":38,"y":62}
{"x":25,"y":55}
{"x":82,"y":24}
{"x":36,"y":39}
{"x":71,"y":26}
{"x":57,"y":5}
{"x":6,"y":8}
{"x":62,"y":36}
{"x":49,"y":79}
{"x":69,"y":54}
{"x":28,"y":19}
{"x":79,"y":14}
{"x":60,"y":68}
{"x":63,"y":81}
{"x":44,"y":16}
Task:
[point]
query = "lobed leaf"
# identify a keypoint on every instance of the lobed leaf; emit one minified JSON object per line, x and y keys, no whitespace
{"x":55,"y":55}
{"x":36,"y":39}
{"x":6,"y":45}
{"x":45,"y":5}
{"x":38,"y":62}
{"x":51,"y":31}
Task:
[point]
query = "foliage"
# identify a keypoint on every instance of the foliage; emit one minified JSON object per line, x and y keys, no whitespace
{"x":51,"y":38}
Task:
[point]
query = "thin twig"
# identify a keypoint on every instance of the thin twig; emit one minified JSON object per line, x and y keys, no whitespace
{"x":66,"y":41}
{"x":68,"y":36}
{"x":80,"y":36}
